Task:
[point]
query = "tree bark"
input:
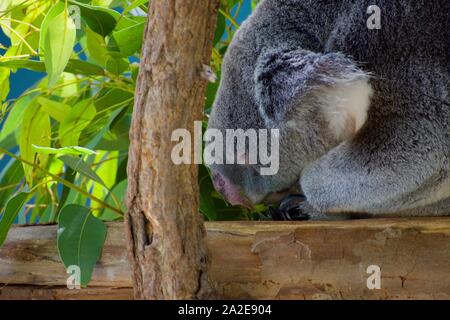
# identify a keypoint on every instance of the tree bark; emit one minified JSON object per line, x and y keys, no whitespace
{"x":164,"y":229}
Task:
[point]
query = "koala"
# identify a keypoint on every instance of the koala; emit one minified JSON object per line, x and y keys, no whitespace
{"x":362,"y":113}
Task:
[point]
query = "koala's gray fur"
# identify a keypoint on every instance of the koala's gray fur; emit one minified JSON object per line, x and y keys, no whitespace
{"x":289,"y":54}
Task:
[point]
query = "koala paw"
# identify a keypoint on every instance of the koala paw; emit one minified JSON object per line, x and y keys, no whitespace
{"x":291,"y":209}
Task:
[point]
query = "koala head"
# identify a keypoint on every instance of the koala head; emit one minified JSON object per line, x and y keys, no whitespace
{"x":315,"y":101}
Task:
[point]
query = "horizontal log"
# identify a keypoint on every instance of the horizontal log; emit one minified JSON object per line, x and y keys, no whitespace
{"x":259,"y":260}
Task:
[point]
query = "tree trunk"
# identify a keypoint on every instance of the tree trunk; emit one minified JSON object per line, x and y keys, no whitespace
{"x":165,"y":232}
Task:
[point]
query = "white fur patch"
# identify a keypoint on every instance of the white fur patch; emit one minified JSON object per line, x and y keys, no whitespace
{"x":345,"y":106}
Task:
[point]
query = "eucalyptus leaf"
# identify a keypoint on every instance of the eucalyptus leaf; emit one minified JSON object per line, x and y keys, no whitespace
{"x":4,"y":83}
{"x":134,"y":5}
{"x":78,"y":118}
{"x":220,"y":29}
{"x":92,"y":144}
{"x":116,"y":64}
{"x":111,"y":97}
{"x":36,"y":130}
{"x":80,"y":239}
{"x":98,"y":52}
{"x":55,"y":109}
{"x":8,"y":142}
{"x":15,"y":116}
{"x":99,"y":19}
{"x":96,"y":47}
{"x":12,"y":209}
{"x":69,"y":176}
{"x":54,"y":11}
{"x":129,"y":40}
{"x":75,"y":150}
{"x":77,"y":164}
{"x":59,"y":44}
{"x":73,"y":66}
{"x":119,"y":192}
{"x":11,"y":176}
{"x":106,"y":168}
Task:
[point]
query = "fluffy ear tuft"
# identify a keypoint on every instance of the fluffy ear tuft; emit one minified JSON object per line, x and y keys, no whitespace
{"x":345,"y":106}
{"x":283,"y":77}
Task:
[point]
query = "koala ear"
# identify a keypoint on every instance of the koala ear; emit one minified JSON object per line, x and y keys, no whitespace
{"x":283,"y":77}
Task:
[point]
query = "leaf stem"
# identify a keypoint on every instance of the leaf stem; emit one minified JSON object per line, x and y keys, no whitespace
{"x":19,"y":36}
{"x":23,"y":22}
{"x":230,"y":18}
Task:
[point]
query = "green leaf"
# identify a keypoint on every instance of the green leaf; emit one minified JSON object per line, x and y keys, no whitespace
{"x":129,"y":39}
{"x":220,"y":29}
{"x":14,"y":117}
{"x":119,"y":192}
{"x":12,"y":209}
{"x":4,"y":9}
{"x":59,"y":43}
{"x":106,"y":169}
{"x":73,"y":66}
{"x":8,"y":142}
{"x":78,"y":118}
{"x":109,"y":105}
{"x":80,"y":239}
{"x":98,"y":52}
{"x":83,"y":67}
{"x":116,"y":64}
{"x":54,"y":11}
{"x":78,"y":165}
{"x":134,"y":5}
{"x":11,"y":176}
{"x":23,"y":64}
{"x":4,"y":83}
{"x":99,"y":135}
{"x":119,"y":137}
{"x":69,"y":176}
{"x":112,"y":97}
{"x":134,"y":71}
{"x":68,"y":86}
{"x":96,"y":47}
{"x":56,"y":110}
{"x":36,"y":130}
{"x":75,"y":150}
{"x":103,"y":3}
{"x":101,"y":20}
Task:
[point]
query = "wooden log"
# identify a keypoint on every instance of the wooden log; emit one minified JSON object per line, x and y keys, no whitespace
{"x":259,"y":260}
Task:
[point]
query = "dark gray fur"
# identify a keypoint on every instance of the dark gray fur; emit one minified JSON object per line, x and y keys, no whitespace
{"x":399,"y":158}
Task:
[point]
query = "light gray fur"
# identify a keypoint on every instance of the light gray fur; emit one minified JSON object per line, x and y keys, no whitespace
{"x":288,"y":51}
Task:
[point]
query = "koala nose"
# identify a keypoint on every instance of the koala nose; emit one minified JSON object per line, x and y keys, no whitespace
{"x":230,"y":191}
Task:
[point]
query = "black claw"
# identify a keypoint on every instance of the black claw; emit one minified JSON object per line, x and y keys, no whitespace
{"x":274,"y":214}
{"x":292,"y":201}
{"x":290,"y":209}
{"x":297,"y":214}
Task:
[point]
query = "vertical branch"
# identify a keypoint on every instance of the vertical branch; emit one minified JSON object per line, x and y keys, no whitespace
{"x":166,"y":235}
